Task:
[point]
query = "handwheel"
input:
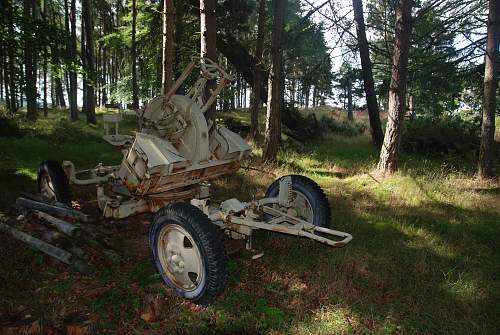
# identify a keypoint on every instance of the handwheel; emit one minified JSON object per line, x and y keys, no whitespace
{"x":309,"y":201}
{"x":188,"y":253}
{"x":53,"y":183}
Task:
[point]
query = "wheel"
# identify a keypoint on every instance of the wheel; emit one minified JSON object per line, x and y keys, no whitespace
{"x":188,"y":253}
{"x":310,"y":202}
{"x":53,"y":182}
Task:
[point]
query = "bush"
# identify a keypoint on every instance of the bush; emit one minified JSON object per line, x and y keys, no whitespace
{"x":347,"y":128}
{"x":9,"y":127}
{"x":445,"y":135}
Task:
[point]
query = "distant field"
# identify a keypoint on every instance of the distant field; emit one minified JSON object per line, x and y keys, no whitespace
{"x":425,"y":258}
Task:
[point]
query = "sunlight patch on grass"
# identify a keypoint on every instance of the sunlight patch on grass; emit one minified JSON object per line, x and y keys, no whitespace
{"x":465,"y":287}
{"x":27,"y":172}
{"x":421,"y":238}
{"x":327,"y":320}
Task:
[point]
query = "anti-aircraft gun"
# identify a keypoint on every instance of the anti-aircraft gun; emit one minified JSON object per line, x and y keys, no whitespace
{"x":166,"y":168}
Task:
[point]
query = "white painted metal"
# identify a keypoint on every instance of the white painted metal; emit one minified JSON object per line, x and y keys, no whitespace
{"x":47,"y":188}
{"x":170,"y":159}
{"x":180,"y":257}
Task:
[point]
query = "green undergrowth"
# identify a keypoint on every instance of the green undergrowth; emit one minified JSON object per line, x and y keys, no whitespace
{"x":424,"y":259}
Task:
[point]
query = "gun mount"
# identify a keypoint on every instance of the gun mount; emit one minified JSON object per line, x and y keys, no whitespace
{"x":168,"y":163}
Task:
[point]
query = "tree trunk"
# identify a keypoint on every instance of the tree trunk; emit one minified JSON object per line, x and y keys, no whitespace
{"x":2,"y":70}
{"x":87,"y":18}
{"x":53,"y":98}
{"x":10,"y":53}
{"x":168,"y":23}
{"x":388,"y":162}
{"x":135,"y":87}
{"x":29,"y":60}
{"x":366,"y":66}
{"x":306,"y":95}
{"x":45,"y":104}
{"x":411,"y":108}
{"x":246,"y":64}
{"x":104,"y":95}
{"x":350,"y":117}
{"x":208,"y":46}
{"x":83,"y":58}
{"x":73,"y":80}
{"x":275,"y":84}
{"x":178,"y":36}
{"x":59,"y":91}
{"x":486,"y":151}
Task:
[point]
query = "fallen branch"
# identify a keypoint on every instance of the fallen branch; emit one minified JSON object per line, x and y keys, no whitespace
{"x":65,"y":227}
{"x":25,"y":324}
{"x":76,"y":231}
{"x":49,"y":249}
{"x":51,"y":209}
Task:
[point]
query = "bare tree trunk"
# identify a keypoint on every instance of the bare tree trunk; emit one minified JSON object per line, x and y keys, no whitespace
{"x":10,"y":53}
{"x":53,"y":99}
{"x":486,"y":150}
{"x":179,"y":35}
{"x":135,"y":87}
{"x":59,"y":91}
{"x":388,"y":162}
{"x":168,"y":24}
{"x":73,"y":80}
{"x":275,"y":84}
{"x":366,"y":66}
{"x":2,"y":70}
{"x":104,"y":96}
{"x":238,"y":91}
{"x":350,"y":116}
{"x":208,"y":45}
{"x":292,"y":90}
{"x":315,"y":95}
{"x":87,"y":15}
{"x":45,"y":104}
{"x":29,"y":60}
{"x":83,"y":58}
{"x":306,"y":95}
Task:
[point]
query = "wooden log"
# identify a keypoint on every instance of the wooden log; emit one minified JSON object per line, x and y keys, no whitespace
{"x":79,"y":325}
{"x":63,"y":226}
{"x":49,"y":249}
{"x":51,"y":209}
{"x":76,"y":231}
{"x":61,"y":241}
{"x":26,"y":325}
{"x":53,"y":251}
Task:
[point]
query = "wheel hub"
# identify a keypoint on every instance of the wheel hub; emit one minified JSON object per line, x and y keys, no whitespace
{"x":301,"y":207}
{"x":180,"y":257}
{"x":177,"y":263}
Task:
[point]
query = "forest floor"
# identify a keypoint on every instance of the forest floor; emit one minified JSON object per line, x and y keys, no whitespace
{"x":425,"y":257}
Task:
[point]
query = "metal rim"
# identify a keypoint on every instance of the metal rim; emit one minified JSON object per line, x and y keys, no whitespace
{"x":180,"y":257}
{"x":302,"y":206}
{"x":47,"y":187}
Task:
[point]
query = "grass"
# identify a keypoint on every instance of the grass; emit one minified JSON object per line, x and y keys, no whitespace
{"x":424,"y":260}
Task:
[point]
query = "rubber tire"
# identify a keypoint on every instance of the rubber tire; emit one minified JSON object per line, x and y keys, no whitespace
{"x":207,"y":238}
{"x":313,"y":193}
{"x":59,"y":180}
